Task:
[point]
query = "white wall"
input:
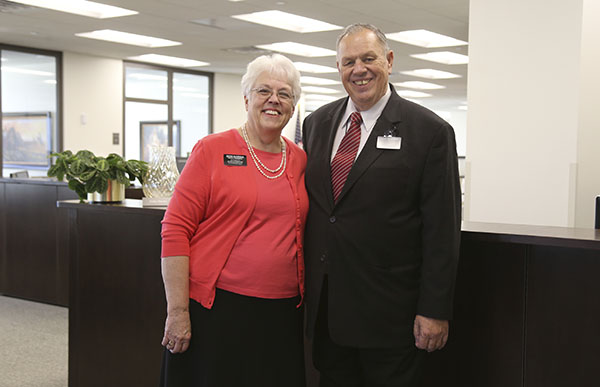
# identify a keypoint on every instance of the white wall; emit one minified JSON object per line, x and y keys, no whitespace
{"x":588,"y":144}
{"x":93,"y":90}
{"x":228,"y":108}
{"x":523,"y":88}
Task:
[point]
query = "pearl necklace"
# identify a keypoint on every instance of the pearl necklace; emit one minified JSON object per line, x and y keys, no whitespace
{"x":257,"y":161}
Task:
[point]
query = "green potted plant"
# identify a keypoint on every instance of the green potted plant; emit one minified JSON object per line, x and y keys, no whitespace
{"x":87,"y":173}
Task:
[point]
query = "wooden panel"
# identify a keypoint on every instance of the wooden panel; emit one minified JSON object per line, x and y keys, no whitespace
{"x":117,"y":301}
{"x":30,"y":241}
{"x":486,"y":335}
{"x":563,"y":316}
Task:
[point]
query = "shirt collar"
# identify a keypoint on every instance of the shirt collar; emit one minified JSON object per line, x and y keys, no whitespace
{"x":369,"y":116}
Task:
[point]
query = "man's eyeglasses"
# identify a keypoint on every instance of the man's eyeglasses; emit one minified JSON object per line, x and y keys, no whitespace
{"x":265,"y":92}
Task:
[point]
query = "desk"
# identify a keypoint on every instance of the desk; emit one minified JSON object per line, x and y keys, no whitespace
{"x":526,"y":308}
{"x":33,"y":259}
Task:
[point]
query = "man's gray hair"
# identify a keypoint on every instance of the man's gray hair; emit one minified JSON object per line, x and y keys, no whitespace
{"x":275,"y":64}
{"x":357,"y":27}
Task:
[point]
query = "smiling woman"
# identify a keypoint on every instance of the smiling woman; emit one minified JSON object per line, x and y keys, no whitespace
{"x":233,"y":265}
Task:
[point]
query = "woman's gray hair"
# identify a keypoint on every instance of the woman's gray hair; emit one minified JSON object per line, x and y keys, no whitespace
{"x":275,"y":64}
{"x":357,"y":27}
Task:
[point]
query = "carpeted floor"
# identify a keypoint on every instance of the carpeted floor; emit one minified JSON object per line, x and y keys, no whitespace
{"x":33,"y":344}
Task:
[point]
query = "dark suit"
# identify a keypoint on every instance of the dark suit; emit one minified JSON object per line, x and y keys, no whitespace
{"x":389,"y":247}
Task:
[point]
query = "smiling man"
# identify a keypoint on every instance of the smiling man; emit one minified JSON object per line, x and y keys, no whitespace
{"x":383,"y":229}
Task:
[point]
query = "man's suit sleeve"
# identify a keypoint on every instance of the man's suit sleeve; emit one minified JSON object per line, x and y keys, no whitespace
{"x":440,"y":206}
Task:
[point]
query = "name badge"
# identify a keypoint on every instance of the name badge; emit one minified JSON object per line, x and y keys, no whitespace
{"x":389,"y":142}
{"x":235,"y":160}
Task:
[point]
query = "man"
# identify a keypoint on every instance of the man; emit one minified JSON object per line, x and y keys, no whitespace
{"x":383,"y":228}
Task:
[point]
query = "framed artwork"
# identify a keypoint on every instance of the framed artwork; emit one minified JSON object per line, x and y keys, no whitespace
{"x":157,"y":133}
{"x":26,"y":139}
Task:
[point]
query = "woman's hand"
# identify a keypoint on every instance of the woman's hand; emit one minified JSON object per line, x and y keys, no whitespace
{"x":178,"y":331}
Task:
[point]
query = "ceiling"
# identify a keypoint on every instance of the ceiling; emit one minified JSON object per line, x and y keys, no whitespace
{"x":209,"y":34}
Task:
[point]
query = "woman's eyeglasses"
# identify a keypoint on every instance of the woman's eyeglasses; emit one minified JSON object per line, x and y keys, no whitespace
{"x":265,"y":92}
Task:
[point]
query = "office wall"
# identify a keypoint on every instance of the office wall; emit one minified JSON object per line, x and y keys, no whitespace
{"x":588,"y":144}
{"x":228,"y":108}
{"x":92,"y":103}
{"x":524,"y":106}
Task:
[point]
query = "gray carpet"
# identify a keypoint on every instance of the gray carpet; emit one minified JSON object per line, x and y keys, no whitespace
{"x":33,"y":344}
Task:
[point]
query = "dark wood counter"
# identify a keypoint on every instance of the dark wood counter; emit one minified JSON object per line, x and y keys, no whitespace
{"x":33,"y":260}
{"x":525,"y":306}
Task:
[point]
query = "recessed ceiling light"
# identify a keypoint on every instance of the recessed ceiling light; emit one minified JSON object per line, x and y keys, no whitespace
{"x":445,"y":57}
{"x":420,"y":85}
{"x":319,"y":97}
{"x":80,"y":7}
{"x":128,"y":38}
{"x":412,"y":94}
{"x":318,"y":81}
{"x":431,"y":74}
{"x":424,"y":38}
{"x":287,"y":21}
{"x":297,"y":49}
{"x":313,"y":68}
{"x":316,"y":89}
{"x":169,"y":60}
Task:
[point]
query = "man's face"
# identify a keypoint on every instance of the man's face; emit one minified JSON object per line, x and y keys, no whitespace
{"x":364,"y":68}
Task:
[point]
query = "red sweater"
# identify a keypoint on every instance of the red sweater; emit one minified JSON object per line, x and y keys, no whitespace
{"x":211,"y":204}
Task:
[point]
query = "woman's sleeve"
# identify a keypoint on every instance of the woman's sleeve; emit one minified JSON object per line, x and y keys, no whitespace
{"x":188,"y":204}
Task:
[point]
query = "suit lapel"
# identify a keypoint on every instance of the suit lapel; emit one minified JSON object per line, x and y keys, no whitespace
{"x":388,"y":120}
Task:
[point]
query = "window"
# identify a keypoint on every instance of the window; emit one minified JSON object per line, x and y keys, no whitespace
{"x":30,"y":104}
{"x":165,"y":106}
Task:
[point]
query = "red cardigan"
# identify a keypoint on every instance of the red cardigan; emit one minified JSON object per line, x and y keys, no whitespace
{"x":211,"y":204}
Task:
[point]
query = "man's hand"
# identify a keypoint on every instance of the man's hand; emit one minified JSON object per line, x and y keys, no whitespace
{"x":430,"y":334}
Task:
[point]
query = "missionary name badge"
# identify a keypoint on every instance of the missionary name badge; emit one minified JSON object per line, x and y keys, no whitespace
{"x":235,"y":160}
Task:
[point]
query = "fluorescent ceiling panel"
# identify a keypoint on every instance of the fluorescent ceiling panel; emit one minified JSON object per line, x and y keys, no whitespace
{"x":287,"y":21}
{"x":431,"y":74}
{"x":318,"y":81}
{"x":80,"y":7}
{"x":420,"y":85}
{"x":424,"y":38}
{"x":128,"y":38}
{"x":313,"y":68}
{"x":320,"y":90}
{"x":412,"y":94}
{"x":444,"y":57}
{"x":169,"y":60}
{"x":297,"y":49}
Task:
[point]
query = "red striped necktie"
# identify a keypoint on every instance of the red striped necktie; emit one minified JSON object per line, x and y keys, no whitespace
{"x":346,"y":153}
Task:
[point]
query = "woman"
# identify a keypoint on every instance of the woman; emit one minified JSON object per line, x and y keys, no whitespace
{"x":232,"y":247}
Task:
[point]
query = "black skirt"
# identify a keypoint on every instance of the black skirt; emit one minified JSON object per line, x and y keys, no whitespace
{"x":241,"y":341}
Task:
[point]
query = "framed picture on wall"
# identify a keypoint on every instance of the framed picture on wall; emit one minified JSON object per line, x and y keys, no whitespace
{"x":26,"y":139}
{"x":157,"y":133}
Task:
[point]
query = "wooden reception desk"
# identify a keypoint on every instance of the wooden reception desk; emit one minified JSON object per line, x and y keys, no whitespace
{"x":526,"y":307}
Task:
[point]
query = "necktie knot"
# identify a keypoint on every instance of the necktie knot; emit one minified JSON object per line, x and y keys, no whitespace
{"x":355,"y":118}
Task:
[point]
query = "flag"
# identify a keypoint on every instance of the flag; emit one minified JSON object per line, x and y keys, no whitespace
{"x":298,"y":136}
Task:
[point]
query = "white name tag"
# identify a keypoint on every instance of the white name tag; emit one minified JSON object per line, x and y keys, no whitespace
{"x":388,"y":142}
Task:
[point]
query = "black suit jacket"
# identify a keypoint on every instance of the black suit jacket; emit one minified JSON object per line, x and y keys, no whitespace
{"x":390,"y":245}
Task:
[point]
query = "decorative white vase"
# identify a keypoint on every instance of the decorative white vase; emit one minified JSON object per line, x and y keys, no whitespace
{"x":162,"y":175}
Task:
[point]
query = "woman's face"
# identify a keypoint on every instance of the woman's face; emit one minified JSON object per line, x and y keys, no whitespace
{"x":269,"y":112}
